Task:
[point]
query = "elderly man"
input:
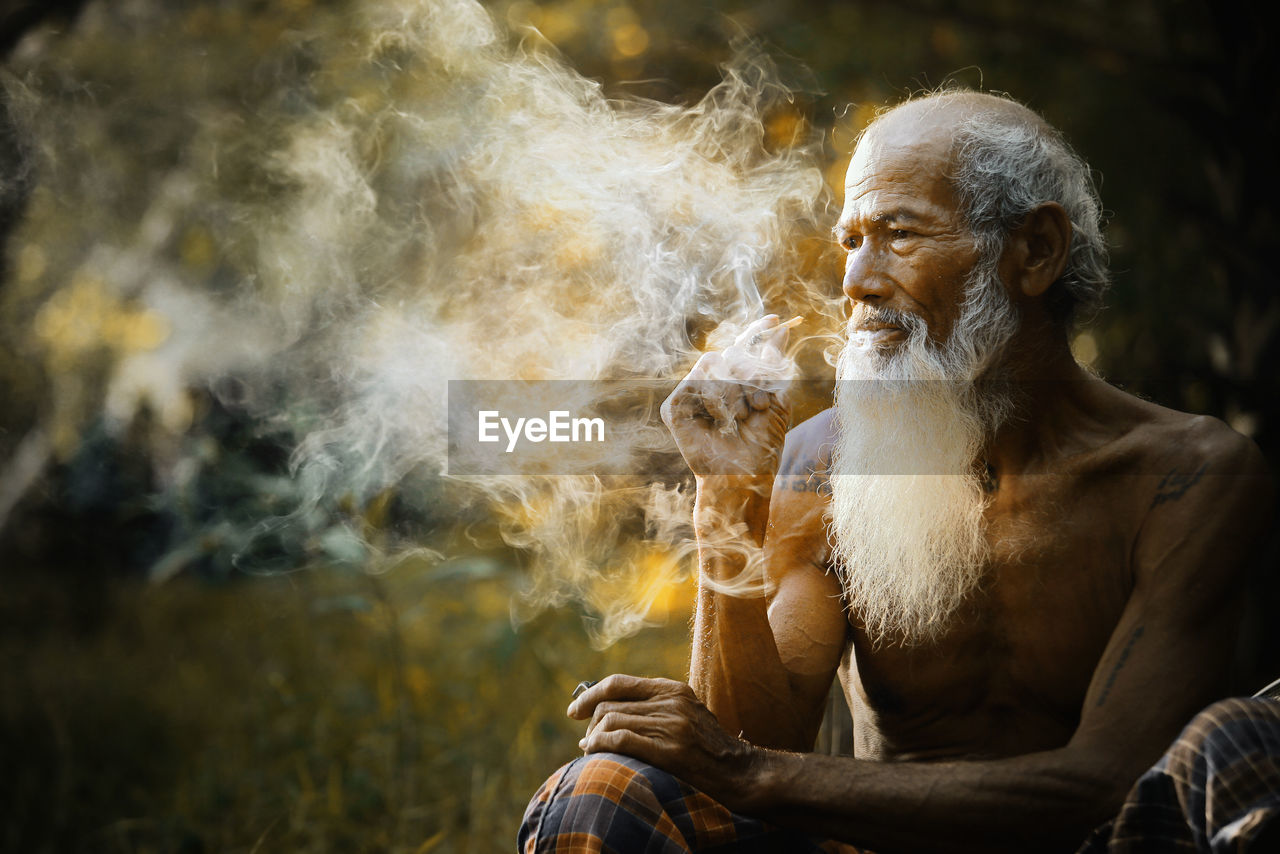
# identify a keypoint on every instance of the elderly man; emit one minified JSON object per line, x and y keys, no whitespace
{"x":1026,"y":579}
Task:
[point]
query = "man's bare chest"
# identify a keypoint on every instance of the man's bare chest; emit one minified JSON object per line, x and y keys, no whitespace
{"x":1010,"y":673}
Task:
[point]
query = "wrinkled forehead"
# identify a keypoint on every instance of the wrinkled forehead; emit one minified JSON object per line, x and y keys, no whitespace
{"x":907,"y":138}
{"x":924,"y":129}
{"x":900,"y":157}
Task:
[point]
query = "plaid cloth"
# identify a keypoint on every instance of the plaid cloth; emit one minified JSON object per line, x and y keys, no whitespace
{"x":610,"y":803}
{"x":1216,"y":790}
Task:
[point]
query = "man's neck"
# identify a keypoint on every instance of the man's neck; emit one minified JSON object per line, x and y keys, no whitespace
{"x":1048,"y":389}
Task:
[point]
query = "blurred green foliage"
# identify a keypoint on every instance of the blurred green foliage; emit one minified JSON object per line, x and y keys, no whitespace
{"x":319,"y":711}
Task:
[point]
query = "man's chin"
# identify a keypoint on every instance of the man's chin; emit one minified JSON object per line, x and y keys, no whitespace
{"x":882,"y":362}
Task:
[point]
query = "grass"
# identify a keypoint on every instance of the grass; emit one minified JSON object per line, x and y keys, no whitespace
{"x":315,"y":712}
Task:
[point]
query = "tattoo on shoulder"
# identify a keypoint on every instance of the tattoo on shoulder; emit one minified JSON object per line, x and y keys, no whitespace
{"x":802,"y":475}
{"x":1124,"y":656}
{"x":1175,"y":485}
{"x":815,"y":483}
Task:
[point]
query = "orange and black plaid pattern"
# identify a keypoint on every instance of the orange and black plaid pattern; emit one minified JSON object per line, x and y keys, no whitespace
{"x":1216,"y":790}
{"x":610,"y":803}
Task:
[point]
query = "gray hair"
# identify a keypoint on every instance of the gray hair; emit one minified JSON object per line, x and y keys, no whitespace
{"x":1003,"y":167}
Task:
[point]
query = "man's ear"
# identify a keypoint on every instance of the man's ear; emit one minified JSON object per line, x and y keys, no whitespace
{"x":1039,"y":247}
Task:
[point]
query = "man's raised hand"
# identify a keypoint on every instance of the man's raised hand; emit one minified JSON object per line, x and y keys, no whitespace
{"x":730,"y":415}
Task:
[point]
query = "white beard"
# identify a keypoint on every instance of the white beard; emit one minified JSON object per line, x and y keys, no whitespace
{"x":907,"y":488}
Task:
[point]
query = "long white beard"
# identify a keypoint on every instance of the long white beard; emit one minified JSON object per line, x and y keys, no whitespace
{"x":907,"y":491}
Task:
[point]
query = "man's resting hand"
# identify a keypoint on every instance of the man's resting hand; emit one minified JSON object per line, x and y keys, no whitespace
{"x":661,"y":722}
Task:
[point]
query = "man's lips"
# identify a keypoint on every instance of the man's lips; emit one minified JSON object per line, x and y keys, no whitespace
{"x":875,"y":334}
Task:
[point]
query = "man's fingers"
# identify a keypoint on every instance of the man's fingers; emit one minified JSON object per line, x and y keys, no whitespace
{"x":616,"y":719}
{"x":689,"y":399}
{"x":726,"y":387}
{"x":621,"y":688}
{"x":766,"y":337}
{"x":777,"y":337}
{"x":628,"y":708}
{"x":720,"y":403}
{"x":622,"y":741}
{"x":754,"y":331}
{"x":720,"y":409}
{"x":737,"y":402}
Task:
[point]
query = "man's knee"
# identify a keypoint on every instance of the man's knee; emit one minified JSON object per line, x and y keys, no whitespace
{"x":1225,"y":768}
{"x":602,"y":799}
{"x":1231,"y":730}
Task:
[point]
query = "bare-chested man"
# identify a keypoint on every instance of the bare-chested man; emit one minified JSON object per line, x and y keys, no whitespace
{"x":1027,"y":580}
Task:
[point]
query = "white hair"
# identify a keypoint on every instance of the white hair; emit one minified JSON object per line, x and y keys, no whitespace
{"x":1003,"y":166}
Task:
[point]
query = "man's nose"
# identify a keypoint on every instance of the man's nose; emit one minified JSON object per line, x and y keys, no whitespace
{"x":863,"y":282}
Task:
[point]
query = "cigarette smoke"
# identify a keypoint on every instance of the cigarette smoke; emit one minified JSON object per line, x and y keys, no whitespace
{"x":324,"y":217}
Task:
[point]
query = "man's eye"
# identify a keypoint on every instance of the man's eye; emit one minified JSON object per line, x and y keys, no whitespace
{"x":852,"y":243}
{"x":899,"y":234}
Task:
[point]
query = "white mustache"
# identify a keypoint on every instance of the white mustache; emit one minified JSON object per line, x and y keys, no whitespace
{"x":870,"y":316}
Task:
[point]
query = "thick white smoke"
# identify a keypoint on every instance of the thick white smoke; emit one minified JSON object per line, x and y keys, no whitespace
{"x":346,"y":214}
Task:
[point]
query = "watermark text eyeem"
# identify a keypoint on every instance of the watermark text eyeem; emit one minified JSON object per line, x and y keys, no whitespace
{"x":558,"y":426}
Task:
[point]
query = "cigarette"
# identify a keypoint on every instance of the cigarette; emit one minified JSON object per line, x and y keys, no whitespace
{"x":795,"y":321}
{"x":773,"y":330}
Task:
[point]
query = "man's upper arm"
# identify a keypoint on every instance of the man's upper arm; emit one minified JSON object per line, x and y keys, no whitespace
{"x":806,"y":611}
{"x":1171,"y":651}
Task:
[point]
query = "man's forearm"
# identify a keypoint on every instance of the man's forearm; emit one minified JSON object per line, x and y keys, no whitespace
{"x":1045,"y":801}
{"x":735,"y":668}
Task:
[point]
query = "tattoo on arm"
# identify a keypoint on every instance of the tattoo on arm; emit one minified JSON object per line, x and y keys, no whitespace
{"x":1124,"y":656}
{"x":816,"y":483}
{"x":803,"y":476}
{"x":1174,"y":485}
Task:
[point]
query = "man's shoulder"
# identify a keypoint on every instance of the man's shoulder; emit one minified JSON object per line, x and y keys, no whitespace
{"x":809,"y":444}
{"x":1156,"y":439}
{"x":1197,"y":472}
{"x":806,"y":460}
{"x":1201,"y":504}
